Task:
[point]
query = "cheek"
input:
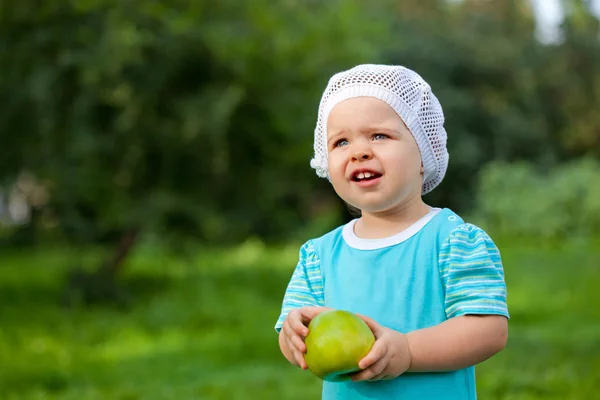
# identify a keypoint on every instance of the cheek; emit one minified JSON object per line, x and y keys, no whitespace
{"x":405,"y":162}
{"x":335,"y":164}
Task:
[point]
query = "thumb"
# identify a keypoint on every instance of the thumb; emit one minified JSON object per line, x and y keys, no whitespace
{"x":308,"y":313}
{"x":373,"y":325}
{"x":377,"y":352}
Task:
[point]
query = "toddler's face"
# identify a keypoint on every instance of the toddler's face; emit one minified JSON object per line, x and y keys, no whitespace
{"x":374,"y":162}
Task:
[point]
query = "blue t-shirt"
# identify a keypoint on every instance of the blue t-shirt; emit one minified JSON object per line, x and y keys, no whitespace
{"x":439,"y":268}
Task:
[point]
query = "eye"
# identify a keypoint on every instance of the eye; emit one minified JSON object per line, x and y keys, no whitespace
{"x":341,"y":142}
{"x":379,"y":136}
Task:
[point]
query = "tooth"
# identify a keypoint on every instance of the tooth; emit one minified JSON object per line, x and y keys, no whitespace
{"x":367,"y":174}
{"x":360,"y":175}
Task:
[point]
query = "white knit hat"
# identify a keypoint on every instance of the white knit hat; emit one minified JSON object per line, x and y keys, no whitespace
{"x":408,"y":94}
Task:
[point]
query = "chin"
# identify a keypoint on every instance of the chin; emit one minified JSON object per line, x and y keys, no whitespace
{"x":375,"y":210}
{"x":378,"y":207}
{"x":370,"y":207}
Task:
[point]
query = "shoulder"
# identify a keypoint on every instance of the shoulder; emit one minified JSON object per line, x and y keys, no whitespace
{"x":439,"y":228}
{"x":472,"y":273}
{"x":335,"y":232}
{"x":452,"y":227}
{"x":309,"y":253}
{"x":325,"y":241}
{"x":468,"y":243}
{"x":467,"y":234}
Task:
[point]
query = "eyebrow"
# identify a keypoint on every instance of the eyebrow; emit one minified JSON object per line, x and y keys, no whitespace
{"x":380,"y":130}
{"x":337,"y":135}
{"x":364,"y":131}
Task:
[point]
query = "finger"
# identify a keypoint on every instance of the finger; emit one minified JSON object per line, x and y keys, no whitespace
{"x":308,"y":313}
{"x":297,"y":355}
{"x":377,"y":353}
{"x":291,"y":327}
{"x":373,"y":325}
{"x":383,"y":375}
{"x":295,"y":319}
{"x":287,"y":329}
{"x":293,"y":338}
{"x":374,"y":372}
{"x":380,"y":377}
{"x":298,"y":343}
{"x":301,"y":360}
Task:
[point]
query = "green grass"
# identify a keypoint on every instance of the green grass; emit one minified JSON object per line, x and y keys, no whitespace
{"x":201,"y":327}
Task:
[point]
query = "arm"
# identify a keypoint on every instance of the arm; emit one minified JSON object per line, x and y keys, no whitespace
{"x":303,"y":299}
{"x":457,"y":343}
{"x":475,"y":303}
{"x":454,"y":344}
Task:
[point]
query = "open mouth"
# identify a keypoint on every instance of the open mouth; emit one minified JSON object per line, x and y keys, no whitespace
{"x":365,"y":176}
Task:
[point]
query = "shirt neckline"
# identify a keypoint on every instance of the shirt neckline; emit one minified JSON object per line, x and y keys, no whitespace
{"x":373,"y":244}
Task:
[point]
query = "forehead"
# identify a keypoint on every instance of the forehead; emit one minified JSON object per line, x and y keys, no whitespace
{"x":361,"y":112}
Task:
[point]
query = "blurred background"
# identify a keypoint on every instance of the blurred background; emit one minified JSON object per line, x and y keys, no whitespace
{"x":155,"y":183}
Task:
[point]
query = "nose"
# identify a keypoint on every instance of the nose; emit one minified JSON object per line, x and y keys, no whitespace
{"x":362,"y":152}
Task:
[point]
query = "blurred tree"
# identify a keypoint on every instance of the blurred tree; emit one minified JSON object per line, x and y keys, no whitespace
{"x":504,"y":93}
{"x":573,"y":80}
{"x":183,"y":118}
{"x":196,"y":118}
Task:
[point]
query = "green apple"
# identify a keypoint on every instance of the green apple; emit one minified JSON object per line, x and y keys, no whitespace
{"x":337,"y":340}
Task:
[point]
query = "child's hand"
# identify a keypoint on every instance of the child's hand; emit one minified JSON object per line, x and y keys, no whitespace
{"x":389,"y":357}
{"x":295,"y":329}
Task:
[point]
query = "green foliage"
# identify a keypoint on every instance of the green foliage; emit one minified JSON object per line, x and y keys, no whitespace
{"x":506,"y":96}
{"x":202,"y":328}
{"x":197,"y":117}
{"x":519,"y":200}
{"x":188,"y":116}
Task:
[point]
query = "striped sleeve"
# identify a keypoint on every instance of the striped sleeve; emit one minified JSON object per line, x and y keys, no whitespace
{"x":472,"y":273}
{"x":305,"y":288}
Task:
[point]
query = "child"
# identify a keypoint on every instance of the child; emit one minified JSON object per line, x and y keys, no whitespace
{"x":430,"y":286}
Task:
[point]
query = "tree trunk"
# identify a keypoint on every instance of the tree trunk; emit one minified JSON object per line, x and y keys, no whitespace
{"x":100,"y":286}
{"x":111,"y":267}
